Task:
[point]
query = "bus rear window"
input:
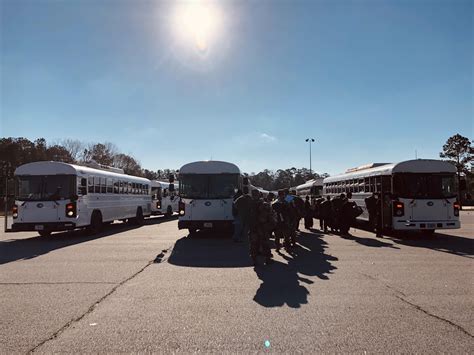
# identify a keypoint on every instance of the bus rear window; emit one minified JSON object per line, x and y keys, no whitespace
{"x":45,"y":187}
{"x":424,"y":185}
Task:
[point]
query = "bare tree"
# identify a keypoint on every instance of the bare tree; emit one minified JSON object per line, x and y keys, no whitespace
{"x":75,"y":148}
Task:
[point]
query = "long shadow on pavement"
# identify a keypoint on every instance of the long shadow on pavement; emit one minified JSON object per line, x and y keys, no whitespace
{"x":442,"y":242}
{"x":370,"y":242}
{"x":209,"y":249}
{"x":29,"y":248}
{"x":281,"y":282}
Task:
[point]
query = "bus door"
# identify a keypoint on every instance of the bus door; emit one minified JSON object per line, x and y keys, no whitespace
{"x":386,"y":195}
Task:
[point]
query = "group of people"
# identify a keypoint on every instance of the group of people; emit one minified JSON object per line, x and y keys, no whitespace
{"x":338,"y":213}
{"x":258,"y":218}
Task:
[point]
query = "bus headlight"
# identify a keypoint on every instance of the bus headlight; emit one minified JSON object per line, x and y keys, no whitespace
{"x":158,"y":204}
{"x":15,"y":211}
{"x":71,"y":210}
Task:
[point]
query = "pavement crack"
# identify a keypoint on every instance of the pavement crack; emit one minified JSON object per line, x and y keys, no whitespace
{"x":100,"y":300}
{"x":435,"y":316}
{"x":402,"y":297}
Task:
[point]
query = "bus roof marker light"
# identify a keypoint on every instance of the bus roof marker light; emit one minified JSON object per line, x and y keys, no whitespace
{"x":267,"y":344}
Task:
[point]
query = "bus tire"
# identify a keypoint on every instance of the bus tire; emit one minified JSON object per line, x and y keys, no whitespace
{"x":96,"y":222}
{"x":44,"y":233}
{"x":138,"y":219}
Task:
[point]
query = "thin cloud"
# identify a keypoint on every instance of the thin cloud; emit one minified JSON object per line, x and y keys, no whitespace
{"x":267,"y":137}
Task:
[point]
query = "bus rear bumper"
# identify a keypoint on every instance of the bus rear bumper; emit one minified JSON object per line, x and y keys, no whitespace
{"x":49,"y":226}
{"x":426,"y":225}
{"x":205,"y":224}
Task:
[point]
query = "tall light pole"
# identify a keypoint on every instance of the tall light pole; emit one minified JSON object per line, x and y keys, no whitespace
{"x":310,"y":140}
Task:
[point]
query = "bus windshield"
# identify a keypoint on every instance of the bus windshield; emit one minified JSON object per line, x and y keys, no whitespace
{"x":424,"y":185}
{"x":208,"y":186}
{"x":45,"y":187}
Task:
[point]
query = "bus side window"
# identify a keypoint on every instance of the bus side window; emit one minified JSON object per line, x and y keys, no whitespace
{"x":103,"y":185}
{"x":91,"y":184}
{"x":110,"y":185}
{"x":97,"y":184}
{"x":83,"y":186}
{"x":116,"y":187}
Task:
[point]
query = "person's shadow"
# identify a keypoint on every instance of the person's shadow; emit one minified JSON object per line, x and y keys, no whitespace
{"x":282,"y":283}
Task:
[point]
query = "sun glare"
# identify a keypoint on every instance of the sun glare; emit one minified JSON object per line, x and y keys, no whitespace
{"x":198,"y":23}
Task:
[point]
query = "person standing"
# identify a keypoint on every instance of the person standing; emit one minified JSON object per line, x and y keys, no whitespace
{"x":374,"y":207}
{"x":280,"y":208}
{"x":242,"y":206}
{"x":325,"y":213}
{"x":260,"y":228}
{"x":308,"y":216}
{"x":237,"y":236}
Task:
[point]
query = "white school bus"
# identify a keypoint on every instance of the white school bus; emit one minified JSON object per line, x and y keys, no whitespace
{"x":165,"y":198}
{"x":417,"y":195}
{"x":206,"y":190}
{"x":54,"y":196}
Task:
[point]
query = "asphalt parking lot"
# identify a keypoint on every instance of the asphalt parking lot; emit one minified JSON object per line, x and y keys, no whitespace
{"x":154,"y":288}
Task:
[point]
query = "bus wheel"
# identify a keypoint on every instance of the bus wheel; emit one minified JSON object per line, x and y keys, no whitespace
{"x":169,"y":212}
{"x":139,"y":219}
{"x":44,"y":233}
{"x":96,"y":222}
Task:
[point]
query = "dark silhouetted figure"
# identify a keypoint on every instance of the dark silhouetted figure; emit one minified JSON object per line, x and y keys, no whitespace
{"x":326,"y":213}
{"x":308,"y":214}
{"x":374,"y":207}
{"x":261,"y":225}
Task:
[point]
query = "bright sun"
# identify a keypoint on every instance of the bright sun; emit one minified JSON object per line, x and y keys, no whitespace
{"x":197,"y":22}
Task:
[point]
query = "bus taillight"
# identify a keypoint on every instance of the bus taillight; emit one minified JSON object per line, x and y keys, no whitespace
{"x":71,"y":210}
{"x":182,"y":208}
{"x":15,"y":211}
{"x":398,"y":209}
{"x":456,"y":207}
{"x":158,"y":204}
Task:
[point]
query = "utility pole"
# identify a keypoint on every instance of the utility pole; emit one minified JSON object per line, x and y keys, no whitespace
{"x":310,"y":140}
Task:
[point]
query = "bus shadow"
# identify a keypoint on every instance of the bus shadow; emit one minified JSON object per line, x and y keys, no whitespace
{"x":29,"y":248}
{"x":370,"y":242}
{"x":209,"y":249}
{"x":282,"y":283}
{"x":445,"y":243}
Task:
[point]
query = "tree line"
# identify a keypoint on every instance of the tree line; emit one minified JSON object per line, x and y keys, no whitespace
{"x":17,"y":151}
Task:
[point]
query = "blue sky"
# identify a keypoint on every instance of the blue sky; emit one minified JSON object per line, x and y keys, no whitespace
{"x":371,"y":81}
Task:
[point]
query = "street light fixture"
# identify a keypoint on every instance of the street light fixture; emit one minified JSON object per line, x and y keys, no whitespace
{"x":310,"y":140}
